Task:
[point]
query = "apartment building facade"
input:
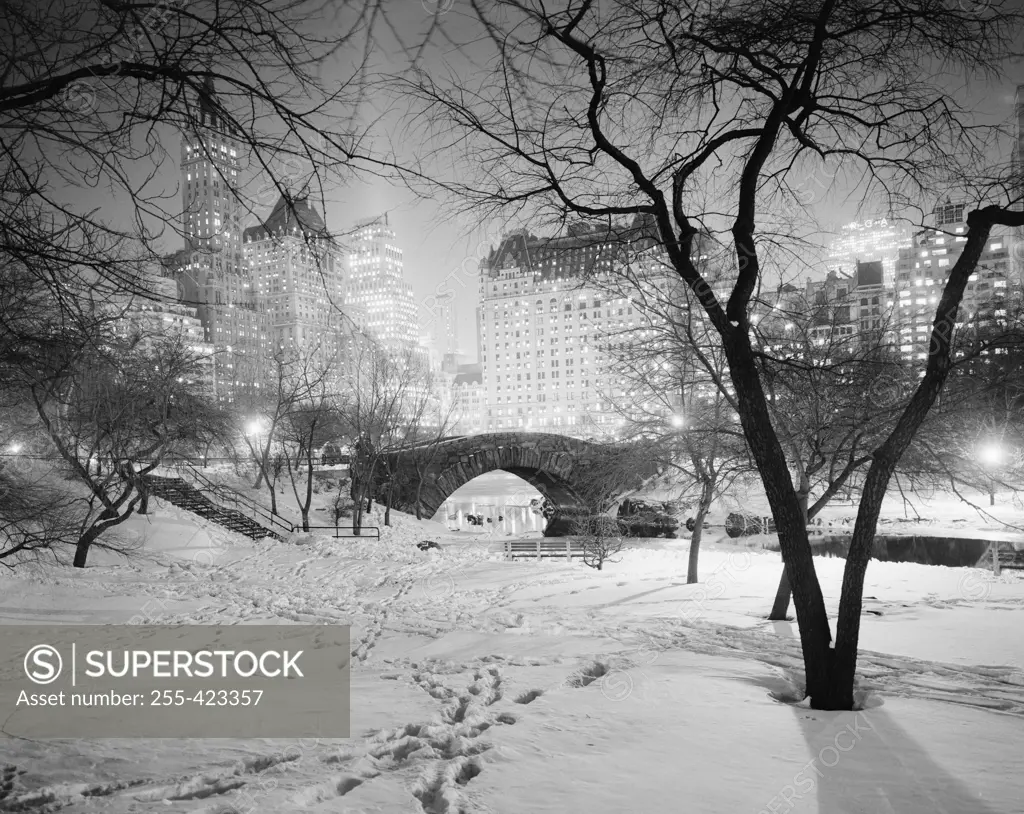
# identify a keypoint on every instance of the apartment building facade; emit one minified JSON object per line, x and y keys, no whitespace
{"x":546,"y":321}
{"x":298,"y":277}
{"x":921,"y":274}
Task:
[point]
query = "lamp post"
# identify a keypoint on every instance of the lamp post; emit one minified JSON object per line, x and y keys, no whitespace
{"x":991,"y":456}
{"x":254,"y":430}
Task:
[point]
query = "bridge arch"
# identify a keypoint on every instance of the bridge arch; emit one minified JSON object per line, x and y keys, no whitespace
{"x":553,"y":464}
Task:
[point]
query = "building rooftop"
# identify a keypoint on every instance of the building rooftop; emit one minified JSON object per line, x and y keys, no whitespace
{"x":290,"y":215}
{"x":532,"y":253}
{"x":470,"y":374}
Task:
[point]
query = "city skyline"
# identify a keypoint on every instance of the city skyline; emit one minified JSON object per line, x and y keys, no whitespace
{"x":448,"y":250}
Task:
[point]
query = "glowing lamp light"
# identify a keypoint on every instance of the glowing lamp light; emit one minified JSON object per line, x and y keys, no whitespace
{"x":254,"y":427}
{"x":991,"y":455}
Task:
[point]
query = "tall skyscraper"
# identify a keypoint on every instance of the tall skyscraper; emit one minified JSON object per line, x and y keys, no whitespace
{"x":210,"y":161}
{"x":866,"y":241}
{"x":211,"y":271}
{"x":297,"y":276}
{"x":376,"y":286}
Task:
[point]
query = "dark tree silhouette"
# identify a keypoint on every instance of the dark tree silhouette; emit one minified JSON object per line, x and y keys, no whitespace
{"x":704,"y":118}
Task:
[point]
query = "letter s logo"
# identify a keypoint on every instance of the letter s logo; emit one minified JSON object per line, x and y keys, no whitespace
{"x":43,"y":664}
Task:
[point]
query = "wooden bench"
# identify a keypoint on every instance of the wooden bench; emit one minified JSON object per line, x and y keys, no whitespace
{"x":1008,"y":558}
{"x":544,"y":547}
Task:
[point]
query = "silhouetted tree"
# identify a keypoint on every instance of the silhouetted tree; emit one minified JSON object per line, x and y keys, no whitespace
{"x":700,"y":117}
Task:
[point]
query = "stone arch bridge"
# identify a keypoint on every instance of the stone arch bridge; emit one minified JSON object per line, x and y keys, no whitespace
{"x":562,"y":469}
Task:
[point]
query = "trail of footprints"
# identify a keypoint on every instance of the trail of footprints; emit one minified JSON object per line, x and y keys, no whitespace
{"x":453,"y":741}
{"x":375,"y":627}
{"x":162,"y":792}
{"x":8,"y":782}
{"x":450,"y":746}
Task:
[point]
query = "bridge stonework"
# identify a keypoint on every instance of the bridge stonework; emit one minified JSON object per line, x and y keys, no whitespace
{"x":554,"y":464}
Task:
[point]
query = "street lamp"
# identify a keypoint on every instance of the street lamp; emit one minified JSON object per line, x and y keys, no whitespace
{"x":991,"y":456}
{"x":254,"y":427}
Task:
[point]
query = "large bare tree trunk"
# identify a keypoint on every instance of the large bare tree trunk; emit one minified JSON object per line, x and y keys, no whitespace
{"x":356,"y":493}
{"x":780,"y":608}
{"x":102,"y":524}
{"x":815,"y":635}
{"x":706,"y":496}
{"x":83,"y":545}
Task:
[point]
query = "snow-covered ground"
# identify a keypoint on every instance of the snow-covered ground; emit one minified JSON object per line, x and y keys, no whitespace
{"x":480,"y":685}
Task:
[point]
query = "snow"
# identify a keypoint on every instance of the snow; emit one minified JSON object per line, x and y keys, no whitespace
{"x":480,"y":685}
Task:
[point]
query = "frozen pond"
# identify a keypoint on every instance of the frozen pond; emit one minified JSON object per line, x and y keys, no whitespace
{"x":499,"y":497}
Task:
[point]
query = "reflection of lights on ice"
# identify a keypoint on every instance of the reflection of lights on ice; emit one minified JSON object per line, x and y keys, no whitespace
{"x":507,"y":517}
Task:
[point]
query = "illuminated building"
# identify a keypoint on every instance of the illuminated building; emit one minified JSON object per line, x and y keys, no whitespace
{"x":211,"y":271}
{"x":381,"y":299}
{"x":545,"y":321}
{"x":922,"y":271}
{"x":866,"y":241}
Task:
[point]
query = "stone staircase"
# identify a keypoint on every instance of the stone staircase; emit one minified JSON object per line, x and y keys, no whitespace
{"x":186,"y":496}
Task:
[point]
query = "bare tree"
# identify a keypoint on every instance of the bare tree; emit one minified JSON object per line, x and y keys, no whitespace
{"x":601,"y":539}
{"x":34,"y":505}
{"x":264,"y":414}
{"x":311,"y":420}
{"x":704,"y":118}
{"x":834,"y":392}
{"x":429,"y":420}
{"x":973,"y":439}
{"x":383,"y":394}
{"x":112,"y":405}
{"x":677,"y":398}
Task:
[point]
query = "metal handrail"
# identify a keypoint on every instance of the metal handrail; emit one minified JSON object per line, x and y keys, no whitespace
{"x":226,"y":493}
{"x":337,"y":529}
